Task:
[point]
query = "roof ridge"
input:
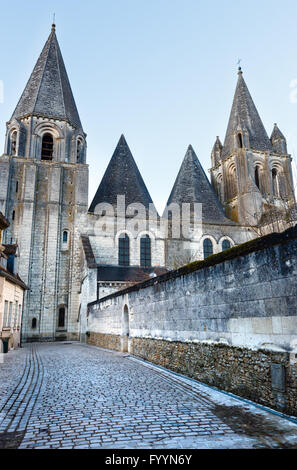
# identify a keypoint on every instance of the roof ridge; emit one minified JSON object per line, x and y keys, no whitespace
{"x":58,"y":63}
{"x":45,"y":63}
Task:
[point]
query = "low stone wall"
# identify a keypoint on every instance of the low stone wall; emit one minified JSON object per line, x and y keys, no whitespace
{"x":241,"y":371}
{"x":104,"y":341}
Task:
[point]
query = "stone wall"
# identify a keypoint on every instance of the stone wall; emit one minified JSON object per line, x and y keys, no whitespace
{"x":241,"y":371}
{"x":229,"y":321}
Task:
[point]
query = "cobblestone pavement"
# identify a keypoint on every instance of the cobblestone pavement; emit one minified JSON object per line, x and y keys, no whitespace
{"x":68,"y":395}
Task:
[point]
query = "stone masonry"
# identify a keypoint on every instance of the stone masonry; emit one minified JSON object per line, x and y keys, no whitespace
{"x":229,"y":321}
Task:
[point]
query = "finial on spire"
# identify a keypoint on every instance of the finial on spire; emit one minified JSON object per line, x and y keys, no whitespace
{"x":239,"y":68}
{"x":54,"y":23}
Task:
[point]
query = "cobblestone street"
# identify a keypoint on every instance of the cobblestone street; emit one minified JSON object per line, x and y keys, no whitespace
{"x":69,"y":395}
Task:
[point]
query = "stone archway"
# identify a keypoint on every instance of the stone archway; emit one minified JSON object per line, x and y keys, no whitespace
{"x":125,"y":329}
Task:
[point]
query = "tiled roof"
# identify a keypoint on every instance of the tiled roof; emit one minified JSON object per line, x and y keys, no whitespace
{"x":14,"y":278}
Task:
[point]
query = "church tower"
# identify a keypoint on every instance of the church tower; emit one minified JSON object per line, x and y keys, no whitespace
{"x":251,"y":173}
{"x":44,"y":194}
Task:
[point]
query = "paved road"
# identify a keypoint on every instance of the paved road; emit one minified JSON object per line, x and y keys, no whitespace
{"x":69,"y":395}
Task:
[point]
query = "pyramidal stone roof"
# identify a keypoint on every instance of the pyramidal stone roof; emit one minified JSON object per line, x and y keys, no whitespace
{"x":277,"y":134}
{"x":48,"y":92}
{"x":122,"y":177}
{"x":217,"y":145}
{"x":244,"y":115}
{"x":192,"y":186}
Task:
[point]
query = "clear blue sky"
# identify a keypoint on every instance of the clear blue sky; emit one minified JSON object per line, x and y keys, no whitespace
{"x":163,"y":72}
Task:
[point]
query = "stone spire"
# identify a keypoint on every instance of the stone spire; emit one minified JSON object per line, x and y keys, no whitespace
{"x":122,"y":177}
{"x":48,"y":92}
{"x":192,"y":186}
{"x":244,"y":116}
{"x":278,"y":141}
{"x":216,"y":153}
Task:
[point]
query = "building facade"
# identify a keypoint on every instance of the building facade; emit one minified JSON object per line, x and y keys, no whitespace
{"x":252,"y":174}
{"x":12,"y":290}
{"x":71,"y":254}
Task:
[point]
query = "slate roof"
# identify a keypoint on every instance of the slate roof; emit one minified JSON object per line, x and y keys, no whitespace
{"x":245,"y":115}
{"x":192,"y":186}
{"x":127,"y":274}
{"x":91,"y":260}
{"x":122,"y":177}
{"x":48,"y":92}
{"x":14,"y":278}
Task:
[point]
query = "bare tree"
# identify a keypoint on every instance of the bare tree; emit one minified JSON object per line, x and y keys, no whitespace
{"x":184,"y":257}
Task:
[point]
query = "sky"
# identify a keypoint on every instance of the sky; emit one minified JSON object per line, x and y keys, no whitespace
{"x":162,"y":72}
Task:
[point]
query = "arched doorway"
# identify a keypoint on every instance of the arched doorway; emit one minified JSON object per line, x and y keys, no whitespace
{"x":125,"y":329}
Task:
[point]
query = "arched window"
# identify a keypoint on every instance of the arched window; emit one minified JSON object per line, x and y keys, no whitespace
{"x":47,"y":147}
{"x":79,"y":146}
{"x":232,"y":183}
{"x":226,"y":245}
{"x":145,"y":252}
{"x":124,"y":250}
{"x":34,"y":323}
{"x":65,"y":236}
{"x":275,"y":182}
{"x":207,"y":248}
{"x":13,"y":143}
{"x":240,"y":141}
{"x":220,"y":188}
{"x":257,"y":177}
{"x":61,"y":319}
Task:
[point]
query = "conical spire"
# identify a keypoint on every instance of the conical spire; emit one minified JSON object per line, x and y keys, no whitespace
{"x":244,"y":115}
{"x":192,"y":186}
{"x":277,"y":134}
{"x":48,"y":91}
{"x":122,"y":177}
{"x":278,"y":140}
{"x":217,"y":145}
{"x":216,"y":153}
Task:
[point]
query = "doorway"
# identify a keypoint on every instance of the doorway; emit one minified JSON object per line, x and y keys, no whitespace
{"x":125,"y":330}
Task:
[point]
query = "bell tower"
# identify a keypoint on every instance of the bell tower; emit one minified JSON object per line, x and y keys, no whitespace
{"x":44,"y":194}
{"x":251,"y":172}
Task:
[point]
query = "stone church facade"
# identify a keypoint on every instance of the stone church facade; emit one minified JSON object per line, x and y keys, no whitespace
{"x":72,"y":254}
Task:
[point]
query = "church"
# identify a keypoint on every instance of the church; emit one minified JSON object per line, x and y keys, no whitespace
{"x":71,"y":254}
